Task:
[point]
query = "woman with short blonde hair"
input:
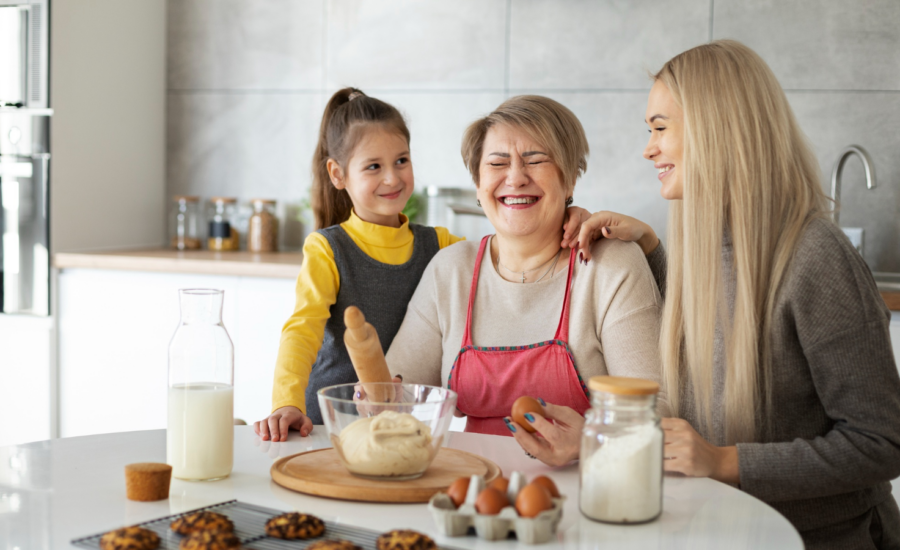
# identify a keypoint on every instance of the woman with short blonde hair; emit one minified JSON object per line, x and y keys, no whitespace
{"x":515,"y":314}
{"x":775,"y":344}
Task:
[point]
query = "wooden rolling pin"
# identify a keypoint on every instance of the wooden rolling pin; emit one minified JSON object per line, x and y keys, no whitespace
{"x":366,"y":355}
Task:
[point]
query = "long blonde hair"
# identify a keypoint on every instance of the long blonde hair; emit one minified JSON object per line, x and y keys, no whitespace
{"x":748,"y":171}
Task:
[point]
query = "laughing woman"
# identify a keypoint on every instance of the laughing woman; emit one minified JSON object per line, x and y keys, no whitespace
{"x":775,"y":345}
{"x":517,"y":314}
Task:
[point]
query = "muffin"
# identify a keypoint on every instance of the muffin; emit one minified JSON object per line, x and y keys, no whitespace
{"x":294,"y":525}
{"x":147,"y":481}
{"x":404,"y":539}
{"x":130,"y":538}
{"x":202,"y":521}
{"x":210,"y":540}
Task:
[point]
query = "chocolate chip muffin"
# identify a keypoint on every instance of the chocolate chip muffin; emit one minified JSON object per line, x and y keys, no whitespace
{"x":202,"y":521}
{"x":210,"y":540}
{"x":404,"y":539}
{"x":333,"y":545}
{"x":294,"y":525}
{"x":129,"y":538}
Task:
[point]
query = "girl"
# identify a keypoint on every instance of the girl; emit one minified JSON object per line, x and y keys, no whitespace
{"x":365,"y":253}
{"x":775,"y":345}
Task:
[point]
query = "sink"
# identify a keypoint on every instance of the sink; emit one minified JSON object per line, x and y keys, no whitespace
{"x":887,"y":282}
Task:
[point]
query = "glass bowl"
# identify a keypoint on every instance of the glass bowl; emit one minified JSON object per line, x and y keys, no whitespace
{"x":393,"y":431}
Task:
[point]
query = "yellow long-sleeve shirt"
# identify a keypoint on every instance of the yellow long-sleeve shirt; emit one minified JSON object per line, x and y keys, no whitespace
{"x":317,"y":289}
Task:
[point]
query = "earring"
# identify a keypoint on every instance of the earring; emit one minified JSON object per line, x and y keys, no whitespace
{"x":569,"y":201}
{"x":478,"y":202}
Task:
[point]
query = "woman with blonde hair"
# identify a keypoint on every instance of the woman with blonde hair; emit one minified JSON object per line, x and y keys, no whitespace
{"x":775,"y":344}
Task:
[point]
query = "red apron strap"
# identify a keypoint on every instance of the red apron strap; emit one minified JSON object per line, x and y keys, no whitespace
{"x":467,"y":338}
{"x":562,"y":331}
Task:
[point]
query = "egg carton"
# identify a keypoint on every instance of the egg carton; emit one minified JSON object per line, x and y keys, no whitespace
{"x":455,"y":522}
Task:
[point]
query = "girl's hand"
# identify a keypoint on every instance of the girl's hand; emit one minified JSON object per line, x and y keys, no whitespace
{"x":611,"y":225}
{"x":277,"y":425}
{"x":686,"y":452}
{"x":559,"y":442}
{"x":575,"y":216}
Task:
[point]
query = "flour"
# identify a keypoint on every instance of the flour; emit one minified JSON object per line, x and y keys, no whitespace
{"x":622,"y":481}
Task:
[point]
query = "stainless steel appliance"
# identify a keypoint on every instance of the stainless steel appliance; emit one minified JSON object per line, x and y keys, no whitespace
{"x":24,"y":158}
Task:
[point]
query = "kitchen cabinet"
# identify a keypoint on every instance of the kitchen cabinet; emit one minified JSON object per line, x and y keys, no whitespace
{"x":27,"y":411}
{"x":114,"y":332}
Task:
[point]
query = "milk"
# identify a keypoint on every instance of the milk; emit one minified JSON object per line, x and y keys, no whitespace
{"x":200,"y":434}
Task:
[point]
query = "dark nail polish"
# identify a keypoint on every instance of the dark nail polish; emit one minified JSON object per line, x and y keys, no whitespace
{"x":529,"y":417}
{"x":580,"y":257}
{"x":511,"y":427}
{"x":542,"y":402}
{"x":608,"y":232}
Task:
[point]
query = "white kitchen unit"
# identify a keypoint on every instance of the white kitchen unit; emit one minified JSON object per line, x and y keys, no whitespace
{"x":114,"y":332}
{"x":27,"y":391}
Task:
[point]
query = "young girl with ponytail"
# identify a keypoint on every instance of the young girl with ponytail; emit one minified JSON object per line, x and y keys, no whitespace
{"x":364,"y":253}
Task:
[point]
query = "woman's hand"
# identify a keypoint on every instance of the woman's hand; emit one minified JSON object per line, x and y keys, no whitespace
{"x":686,"y":452}
{"x":575,"y":216}
{"x":362,"y":401}
{"x":277,"y":425}
{"x":611,"y":225}
{"x":560,"y":441}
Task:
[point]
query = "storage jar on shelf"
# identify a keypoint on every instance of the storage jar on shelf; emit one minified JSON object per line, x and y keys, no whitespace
{"x":621,"y":457}
{"x":222,"y":234}
{"x":184,"y":223}
{"x":262,"y":234}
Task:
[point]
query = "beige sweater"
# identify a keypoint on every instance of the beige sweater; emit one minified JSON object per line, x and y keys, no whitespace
{"x":613,"y":319}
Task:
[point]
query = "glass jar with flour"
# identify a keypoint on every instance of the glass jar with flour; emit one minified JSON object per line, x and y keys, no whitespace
{"x":622,"y":452}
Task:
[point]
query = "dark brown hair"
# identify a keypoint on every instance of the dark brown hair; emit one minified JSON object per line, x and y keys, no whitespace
{"x":347,"y":116}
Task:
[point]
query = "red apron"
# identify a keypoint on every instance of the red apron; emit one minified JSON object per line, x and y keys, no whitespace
{"x":489,"y":379}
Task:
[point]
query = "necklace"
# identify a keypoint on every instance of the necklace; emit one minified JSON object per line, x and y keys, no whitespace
{"x":555,"y":260}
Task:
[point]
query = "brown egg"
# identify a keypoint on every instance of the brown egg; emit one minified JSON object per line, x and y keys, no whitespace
{"x":548,"y":484}
{"x":532,"y":500}
{"x":490,"y":502}
{"x":524,"y":405}
{"x":457,"y":491}
{"x":501,"y":484}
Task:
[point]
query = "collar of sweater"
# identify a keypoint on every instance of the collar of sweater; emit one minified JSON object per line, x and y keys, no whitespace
{"x":379,"y":235}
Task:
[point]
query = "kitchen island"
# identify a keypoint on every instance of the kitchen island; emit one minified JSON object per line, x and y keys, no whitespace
{"x":54,"y":491}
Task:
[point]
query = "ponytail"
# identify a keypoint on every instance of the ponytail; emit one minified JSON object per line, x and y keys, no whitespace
{"x":348,"y":113}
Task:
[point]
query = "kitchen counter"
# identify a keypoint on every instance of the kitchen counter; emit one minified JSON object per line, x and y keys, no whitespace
{"x":54,"y":491}
{"x":285,"y":265}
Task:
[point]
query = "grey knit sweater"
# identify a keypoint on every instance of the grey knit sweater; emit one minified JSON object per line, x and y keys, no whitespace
{"x":835,"y":441}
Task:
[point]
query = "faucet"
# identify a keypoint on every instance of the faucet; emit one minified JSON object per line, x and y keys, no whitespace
{"x":839,"y":166}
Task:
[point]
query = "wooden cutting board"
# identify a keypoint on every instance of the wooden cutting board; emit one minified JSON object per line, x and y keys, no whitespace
{"x":321,"y":473}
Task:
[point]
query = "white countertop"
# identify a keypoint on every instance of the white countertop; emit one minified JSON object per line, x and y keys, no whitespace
{"x":54,"y":491}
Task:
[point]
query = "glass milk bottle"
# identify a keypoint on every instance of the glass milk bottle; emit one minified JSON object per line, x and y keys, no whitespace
{"x":200,"y":434}
{"x":621,"y":457}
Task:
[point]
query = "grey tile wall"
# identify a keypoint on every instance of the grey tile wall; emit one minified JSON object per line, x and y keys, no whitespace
{"x":248,"y":82}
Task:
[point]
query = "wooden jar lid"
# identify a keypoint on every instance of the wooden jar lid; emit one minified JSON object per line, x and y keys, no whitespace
{"x":621,"y":385}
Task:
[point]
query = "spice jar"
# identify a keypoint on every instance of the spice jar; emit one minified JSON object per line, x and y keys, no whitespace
{"x":222,"y":234}
{"x":621,"y":452}
{"x":262,"y":234}
{"x":184,"y":223}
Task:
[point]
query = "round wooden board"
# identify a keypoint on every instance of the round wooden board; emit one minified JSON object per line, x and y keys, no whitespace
{"x":321,"y":473}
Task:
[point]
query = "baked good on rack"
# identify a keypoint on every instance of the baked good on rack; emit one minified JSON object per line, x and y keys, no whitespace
{"x":202,"y":521}
{"x":129,"y":538}
{"x":404,"y":539}
{"x":210,"y":540}
{"x":294,"y":525}
{"x":147,"y":481}
{"x":337,"y":544}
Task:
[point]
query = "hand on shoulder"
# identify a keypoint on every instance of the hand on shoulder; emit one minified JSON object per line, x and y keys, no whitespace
{"x":612,"y":225}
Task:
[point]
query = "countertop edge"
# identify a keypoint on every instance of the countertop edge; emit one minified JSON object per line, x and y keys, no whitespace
{"x":125,"y":261}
